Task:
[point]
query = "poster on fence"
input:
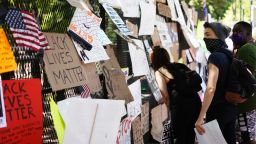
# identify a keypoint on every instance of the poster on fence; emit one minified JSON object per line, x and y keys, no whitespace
{"x":62,"y":64}
{"x":166,"y":135}
{"x":2,"y":107}
{"x":136,"y":131}
{"x":145,"y":118}
{"x":124,"y":132}
{"x":114,"y":79}
{"x":23,"y":107}
{"x":7,"y":60}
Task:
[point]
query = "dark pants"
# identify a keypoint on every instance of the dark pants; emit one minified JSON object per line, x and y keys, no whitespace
{"x":225,"y":114}
{"x":184,"y":116}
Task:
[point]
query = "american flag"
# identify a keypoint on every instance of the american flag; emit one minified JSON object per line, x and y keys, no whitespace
{"x":85,"y":91}
{"x":25,"y":30}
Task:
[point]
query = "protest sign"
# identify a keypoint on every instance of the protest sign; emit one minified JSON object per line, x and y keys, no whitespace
{"x":164,"y":10}
{"x":167,"y":135}
{"x":145,"y":118}
{"x":114,"y":79}
{"x":2,"y":107}
{"x":91,"y":121}
{"x":136,"y":131}
{"x":92,"y":77}
{"x":130,"y":8}
{"x":116,"y":19}
{"x":23,"y":107}
{"x":124,"y":132}
{"x":62,"y":64}
{"x":7,"y":60}
{"x":133,"y":28}
{"x":153,"y":85}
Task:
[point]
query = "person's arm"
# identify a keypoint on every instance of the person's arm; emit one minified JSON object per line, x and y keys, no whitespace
{"x":162,"y":84}
{"x":209,"y":93}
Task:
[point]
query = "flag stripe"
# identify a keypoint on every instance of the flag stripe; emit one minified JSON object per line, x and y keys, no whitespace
{"x":25,"y":29}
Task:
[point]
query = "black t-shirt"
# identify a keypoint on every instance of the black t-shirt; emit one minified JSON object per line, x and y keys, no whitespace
{"x":220,"y":60}
{"x":220,"y":108}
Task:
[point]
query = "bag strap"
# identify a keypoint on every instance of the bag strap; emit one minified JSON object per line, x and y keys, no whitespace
{"x":160,"y":71}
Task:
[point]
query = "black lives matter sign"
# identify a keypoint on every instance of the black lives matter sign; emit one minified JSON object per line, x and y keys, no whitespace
{"x":62,"y":64}
{"x":23,"y":108}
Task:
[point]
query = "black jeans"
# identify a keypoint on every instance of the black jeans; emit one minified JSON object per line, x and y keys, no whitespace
{"x":184,"y":116}
{"x":225,"y":114}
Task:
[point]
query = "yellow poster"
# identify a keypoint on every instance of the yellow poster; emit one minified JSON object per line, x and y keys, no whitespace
{"x":7,"y":60}
{"x":58,"y":122}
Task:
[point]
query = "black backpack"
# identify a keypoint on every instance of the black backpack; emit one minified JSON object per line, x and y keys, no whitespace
{"x":187,"y":81}
{"x":241,"y":84}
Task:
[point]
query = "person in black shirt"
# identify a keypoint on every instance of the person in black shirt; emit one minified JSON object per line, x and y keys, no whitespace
{"x":215,"y":105}
{"x":184,"y":107}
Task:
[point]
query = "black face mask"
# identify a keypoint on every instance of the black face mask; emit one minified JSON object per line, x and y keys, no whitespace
{"x":213,"y":44}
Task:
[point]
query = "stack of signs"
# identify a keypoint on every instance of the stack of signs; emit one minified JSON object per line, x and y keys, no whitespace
{"x":86,"y":25}
{"x":62,"y":64}
{"x":7,"y":60}
{"x":91,"y":121}
{"x":23,"y":108}
{"x":116,"y":19}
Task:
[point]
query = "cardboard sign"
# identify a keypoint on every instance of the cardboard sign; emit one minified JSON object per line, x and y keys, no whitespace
{"x":164,"y":10}
{"x":91,"y":121}
{"x":159,"y":114}
{"x":136,"y":130}
{"x":23,"y":106}
{"x":62,"y":64}
{"x":7,"y":60}
{"x":115,"y":79}
{"x":92,"y":77}
{"x":145,"y":118}
{"x":2,"y":107}
{"x":156,"y":38}
{"x":124,"y":132}
{"x":116,"y":19}
{"x":161,"y":1}
{"x":133,"y":28}
{"x":166,"y":136}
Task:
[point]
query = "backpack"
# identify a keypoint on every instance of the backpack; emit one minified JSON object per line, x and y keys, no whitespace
{"x":241,"y":84}
{"x":187,"y":81}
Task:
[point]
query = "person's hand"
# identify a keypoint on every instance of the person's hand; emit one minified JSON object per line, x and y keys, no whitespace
{"x":199,"y":127}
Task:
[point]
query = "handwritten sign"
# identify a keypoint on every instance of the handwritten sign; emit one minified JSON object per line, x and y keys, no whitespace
{"x":92,"y":77}
{"x":23,"y":107}
{"x":124,"y":132}
{"x":148,"y":15}
{"x":116,"y":19}
{"x":115,"y":79}
{"x":164,"y":10}
{"x":139,"y":59}
{"x":7,"y":60}
{"x":134,"y":107}
{"x":145,"y":118}
{"x":62,"y":64}
{"x":136,"y":130}
{"x":166,"y":136}
{"x":163,"y":32}
{"x":161,"y":1}
{"x":158,"y":115}
{"x":2,"y":107}
{"x":87,"y":25}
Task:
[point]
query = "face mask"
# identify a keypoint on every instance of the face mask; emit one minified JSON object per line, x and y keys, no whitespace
{"x":213,"y":44}
{"x":238,"y":40}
